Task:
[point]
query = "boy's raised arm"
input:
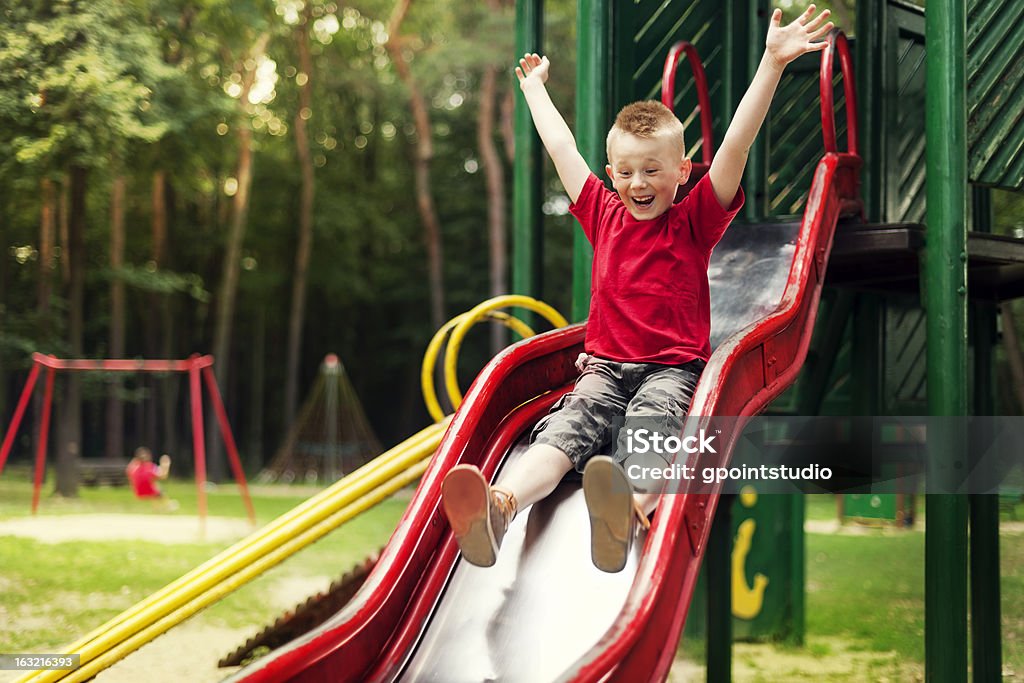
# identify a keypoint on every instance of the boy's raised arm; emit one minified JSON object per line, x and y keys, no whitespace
{"x":782,"y":46}
{"x":554,"y":132}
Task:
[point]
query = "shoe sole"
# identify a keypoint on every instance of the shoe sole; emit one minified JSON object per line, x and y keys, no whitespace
{"x":609,"y":497}
{"x":465,"y":496}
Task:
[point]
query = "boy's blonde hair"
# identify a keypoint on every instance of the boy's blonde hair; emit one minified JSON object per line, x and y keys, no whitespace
{"x":647,"y":119}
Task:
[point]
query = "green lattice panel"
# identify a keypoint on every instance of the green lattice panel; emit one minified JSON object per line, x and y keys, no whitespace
{"x":904,"y":169}
{"x":995,"y":93}
{"x":905,"y":362}
{"x":645,"y":31}
{"x":905,"y":192}
{"x":793,"y":133}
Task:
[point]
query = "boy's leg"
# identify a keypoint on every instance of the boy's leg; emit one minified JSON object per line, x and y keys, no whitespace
{"x":577,"y":425}
{"x":535,"y":475}
{"x":662,"y":399}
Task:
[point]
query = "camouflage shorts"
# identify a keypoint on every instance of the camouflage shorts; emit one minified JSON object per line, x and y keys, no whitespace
{"x":584,"y":420}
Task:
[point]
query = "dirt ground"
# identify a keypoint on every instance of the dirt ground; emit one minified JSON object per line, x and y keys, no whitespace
{"x":169,"y":529}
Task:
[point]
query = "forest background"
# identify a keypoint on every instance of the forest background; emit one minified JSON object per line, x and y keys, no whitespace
{"x":268,"y":181}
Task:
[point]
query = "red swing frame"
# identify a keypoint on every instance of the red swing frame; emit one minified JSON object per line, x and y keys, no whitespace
{"x":195,"y":366}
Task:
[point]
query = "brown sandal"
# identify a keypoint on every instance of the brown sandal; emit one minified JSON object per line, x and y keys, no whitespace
{"x":478,"y":514}
{"x":614,"y":513}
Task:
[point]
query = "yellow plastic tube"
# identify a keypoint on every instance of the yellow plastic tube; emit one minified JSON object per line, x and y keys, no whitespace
{"x":462,"y":327}
{"x":434,"y":349}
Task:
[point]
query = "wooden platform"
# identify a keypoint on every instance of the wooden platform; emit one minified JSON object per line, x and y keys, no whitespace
{"x":886,"y":258}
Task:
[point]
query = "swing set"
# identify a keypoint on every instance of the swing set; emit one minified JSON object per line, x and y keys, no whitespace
{"x":195,"y":366}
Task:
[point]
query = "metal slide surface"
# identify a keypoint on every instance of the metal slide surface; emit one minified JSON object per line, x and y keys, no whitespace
{"x":543,"y":613}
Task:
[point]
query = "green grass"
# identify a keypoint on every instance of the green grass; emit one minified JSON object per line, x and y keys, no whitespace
{"x":865,"y":606}
{"x":821,"y":507}
{"x":869,"y":588}
{"x":223,"y":500}
{"x":52,"y":593}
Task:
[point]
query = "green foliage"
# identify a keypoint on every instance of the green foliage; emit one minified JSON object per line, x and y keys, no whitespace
{"x":77,"y":79}
{"x":149,"y":279}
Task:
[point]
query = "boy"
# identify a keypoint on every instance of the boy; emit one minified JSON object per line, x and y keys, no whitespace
{"x":647,"y":334}
{"x":143,"y":474}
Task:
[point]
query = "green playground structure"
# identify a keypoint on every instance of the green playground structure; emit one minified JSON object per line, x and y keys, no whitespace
{"x":910,"y":307}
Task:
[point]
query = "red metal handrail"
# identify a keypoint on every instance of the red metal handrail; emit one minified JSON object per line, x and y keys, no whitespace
{"x":837,"y":44}
{"x":700,"y":82}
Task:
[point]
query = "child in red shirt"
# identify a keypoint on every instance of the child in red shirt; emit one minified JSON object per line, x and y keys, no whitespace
{"x":143,"y":473}
{"x":649,"y":324}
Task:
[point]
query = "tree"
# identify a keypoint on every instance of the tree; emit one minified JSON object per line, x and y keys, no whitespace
{"x":115,"y":406}
{"x":297,"y":310}
{"x":77,"y":79}
{"x":494,"y":172}
{"x":244,"y":32}
{"x":424,"y":154}
{"x":228,"y":289}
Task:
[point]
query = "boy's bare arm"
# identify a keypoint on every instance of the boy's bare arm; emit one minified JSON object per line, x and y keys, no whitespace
{"x":782,"y":46}
{"x":554,"y":132}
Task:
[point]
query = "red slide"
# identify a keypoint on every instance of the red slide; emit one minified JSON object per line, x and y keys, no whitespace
{"x":543,"y":612}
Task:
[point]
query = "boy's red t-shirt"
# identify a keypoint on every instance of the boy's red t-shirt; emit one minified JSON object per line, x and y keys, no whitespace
{"x":649,"y":295}
{"x":142,"y":476}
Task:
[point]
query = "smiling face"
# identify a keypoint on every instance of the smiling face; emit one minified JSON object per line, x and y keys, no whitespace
{"x":646,"y":172}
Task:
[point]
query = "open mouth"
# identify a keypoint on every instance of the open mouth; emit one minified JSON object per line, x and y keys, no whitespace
{"x":644,"y":202}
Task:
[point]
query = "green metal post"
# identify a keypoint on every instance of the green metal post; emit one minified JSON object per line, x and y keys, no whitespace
{"x":528,"y":175}
{"x":945,"y":280}
{"x":593,"y":27}
{"x":756,"y":25}
{"x":719,"y":576}
{"x":986,"y":636}
{"x":870,"y":57}
{"x":798,"y":564}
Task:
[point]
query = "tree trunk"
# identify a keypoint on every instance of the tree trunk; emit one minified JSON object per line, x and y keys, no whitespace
{"x":115,"y":406}
{"x":424,"y":154}
{"x":71,"y":408}
{"x":168,"y":387}
{"x":44,"y":287}
{"x":508,"y":130}
{"x":254,"y":458}
{"x":297,"y":314}
{"x":47,"y":230}
{"x":228,"y":289}
{"x":494,"y":173}
{"x":64,"y":210}
{"x":1014,"y":356}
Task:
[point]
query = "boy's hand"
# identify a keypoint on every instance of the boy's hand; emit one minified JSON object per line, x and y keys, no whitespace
{"x":532,"y":68}
{"x":786,"y":43}
{"x":581,"y":361}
